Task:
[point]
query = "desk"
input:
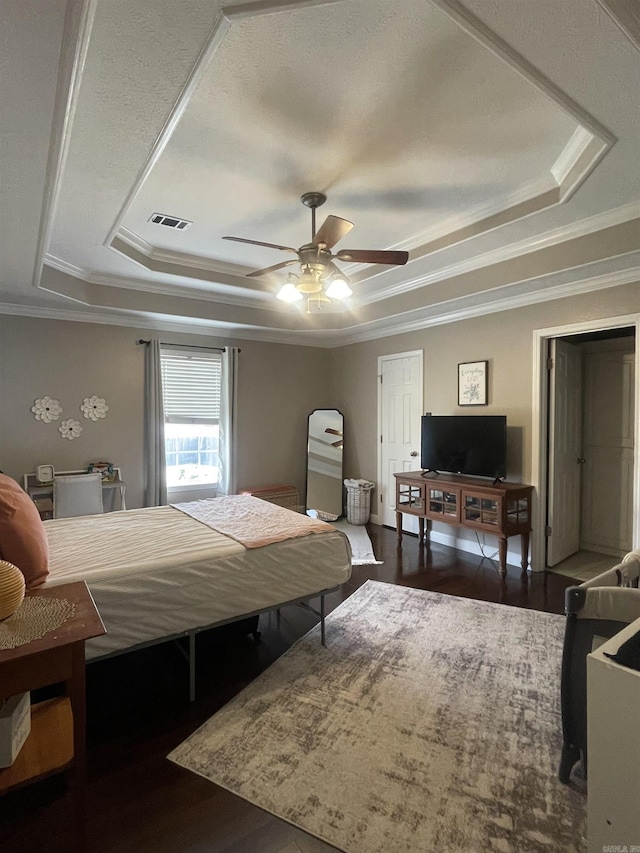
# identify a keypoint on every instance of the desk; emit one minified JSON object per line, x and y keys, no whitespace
{"x":42,"y":493}
{"x":58,"y":726}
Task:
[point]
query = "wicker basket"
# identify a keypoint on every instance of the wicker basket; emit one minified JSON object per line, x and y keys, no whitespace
{"x":358,"y":501}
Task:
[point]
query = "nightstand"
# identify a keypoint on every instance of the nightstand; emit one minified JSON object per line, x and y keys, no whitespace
{"x":58,"y":725}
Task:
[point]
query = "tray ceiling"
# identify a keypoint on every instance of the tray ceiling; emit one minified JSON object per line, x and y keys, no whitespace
{"x":467,"y":135}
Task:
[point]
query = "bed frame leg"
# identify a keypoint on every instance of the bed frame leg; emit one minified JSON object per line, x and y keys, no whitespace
{"x":192,"y":666}
{"x":323,"y":638}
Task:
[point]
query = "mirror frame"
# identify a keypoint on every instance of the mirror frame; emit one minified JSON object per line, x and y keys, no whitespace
{"x":324,"y":515}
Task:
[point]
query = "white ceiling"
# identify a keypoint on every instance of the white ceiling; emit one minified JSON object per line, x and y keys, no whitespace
{"x":470,"y":135}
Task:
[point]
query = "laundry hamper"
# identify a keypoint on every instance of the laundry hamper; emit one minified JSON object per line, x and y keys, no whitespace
{"x":358,"y":500}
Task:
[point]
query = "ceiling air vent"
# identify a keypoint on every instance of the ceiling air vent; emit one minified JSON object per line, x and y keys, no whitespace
{"x":169,"y":221}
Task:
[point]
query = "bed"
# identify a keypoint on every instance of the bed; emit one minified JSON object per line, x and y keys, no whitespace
{"x":167,"y":572}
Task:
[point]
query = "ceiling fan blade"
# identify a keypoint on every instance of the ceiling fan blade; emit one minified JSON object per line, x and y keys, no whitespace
{"x":260,"y":243}
{"x":371,"y":256}
{"x":333,"y":431}
{"x":266,"y":270}
{"x":331,"y":231}
{"x":337,"y":443}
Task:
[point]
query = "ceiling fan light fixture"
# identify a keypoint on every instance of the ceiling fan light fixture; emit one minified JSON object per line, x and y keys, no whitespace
{"x":339,"y":289}
{"x":289,"y":293}
{"x":309,"y":282}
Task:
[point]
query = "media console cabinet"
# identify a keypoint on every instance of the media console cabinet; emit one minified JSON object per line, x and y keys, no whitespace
{"x":503,"y":509}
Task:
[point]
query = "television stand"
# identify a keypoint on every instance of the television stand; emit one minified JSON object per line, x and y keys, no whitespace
{"x":502,"y":509}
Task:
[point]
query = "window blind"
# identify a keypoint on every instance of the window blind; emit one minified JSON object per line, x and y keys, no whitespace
{"x":191,"y":386}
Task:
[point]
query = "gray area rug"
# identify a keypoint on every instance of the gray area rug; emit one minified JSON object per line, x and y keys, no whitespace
{"x":361,"y":547}
{"x":428,"y":723}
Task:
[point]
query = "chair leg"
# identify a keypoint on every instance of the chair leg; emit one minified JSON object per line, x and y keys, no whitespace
{"x":569,"y":756}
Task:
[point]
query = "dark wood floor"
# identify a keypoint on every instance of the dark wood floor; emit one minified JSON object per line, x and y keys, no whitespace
{"x":138,"y":710}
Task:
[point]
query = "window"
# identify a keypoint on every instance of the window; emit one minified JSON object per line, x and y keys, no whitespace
{"x":191,"y":394}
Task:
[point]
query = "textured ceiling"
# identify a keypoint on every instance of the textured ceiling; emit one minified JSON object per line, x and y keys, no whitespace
{"x":474,"y":136}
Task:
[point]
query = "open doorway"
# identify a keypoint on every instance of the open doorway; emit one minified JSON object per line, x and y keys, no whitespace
{"x":590,"y":439}
{"x":586,"y":441}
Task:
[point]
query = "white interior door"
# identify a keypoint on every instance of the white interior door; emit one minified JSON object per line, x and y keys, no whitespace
{"x":565,"y":451}
{"x":607,"y":517}
{"x":400,"y":407}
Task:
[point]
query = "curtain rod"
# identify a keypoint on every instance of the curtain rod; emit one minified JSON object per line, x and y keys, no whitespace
{"x":185,"y":346}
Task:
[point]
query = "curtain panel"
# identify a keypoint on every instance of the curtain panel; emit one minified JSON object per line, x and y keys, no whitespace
{"x":227,"y":475}
{"x":155,"y":493}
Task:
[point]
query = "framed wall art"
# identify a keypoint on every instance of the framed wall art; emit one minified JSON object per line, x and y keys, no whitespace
{"x":472,"y":383}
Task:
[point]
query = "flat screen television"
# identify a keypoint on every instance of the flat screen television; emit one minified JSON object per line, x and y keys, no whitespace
{"x":465,"y":444}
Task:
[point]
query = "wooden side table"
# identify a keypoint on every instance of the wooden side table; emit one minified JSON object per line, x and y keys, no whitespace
{"x":502,"y":509}
{"x":58,"y":726}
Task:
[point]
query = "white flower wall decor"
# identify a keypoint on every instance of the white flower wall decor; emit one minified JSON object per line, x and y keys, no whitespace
{"x":94,"y":407}
{"x":70,"y":429}
{"x":47,"y":409}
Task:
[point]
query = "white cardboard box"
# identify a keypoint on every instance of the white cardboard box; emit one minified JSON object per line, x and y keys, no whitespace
{"x":15,"y":725}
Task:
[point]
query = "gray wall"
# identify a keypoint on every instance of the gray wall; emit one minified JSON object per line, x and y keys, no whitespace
{"x":278,"y":386}
{"x":505,"y":339}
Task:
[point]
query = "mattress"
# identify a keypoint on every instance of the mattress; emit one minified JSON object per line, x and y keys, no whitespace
{"x":157,"y":572}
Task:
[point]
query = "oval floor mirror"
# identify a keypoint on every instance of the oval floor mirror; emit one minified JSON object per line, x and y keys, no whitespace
{"x":325,"y":447}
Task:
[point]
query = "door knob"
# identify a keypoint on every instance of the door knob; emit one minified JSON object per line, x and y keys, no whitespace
{"x":413,"y":453}
{"x":581,"y":461}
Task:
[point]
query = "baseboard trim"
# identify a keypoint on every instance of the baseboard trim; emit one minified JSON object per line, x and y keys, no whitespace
{"x":470,"y":547}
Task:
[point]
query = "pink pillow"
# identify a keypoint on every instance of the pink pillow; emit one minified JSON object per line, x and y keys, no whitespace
{"x":23,"y":540}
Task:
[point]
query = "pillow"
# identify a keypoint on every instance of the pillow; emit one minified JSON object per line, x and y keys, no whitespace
{"x":23,"y":540}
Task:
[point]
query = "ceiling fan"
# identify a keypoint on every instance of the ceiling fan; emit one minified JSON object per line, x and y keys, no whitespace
{"x":318,"y":270}
{"x":340,"y":441}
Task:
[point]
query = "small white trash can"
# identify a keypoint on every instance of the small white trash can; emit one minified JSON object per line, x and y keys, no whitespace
{"x":358,"y":500}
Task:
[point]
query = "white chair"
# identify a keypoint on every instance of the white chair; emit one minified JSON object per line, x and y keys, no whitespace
{"x":78,"y":494}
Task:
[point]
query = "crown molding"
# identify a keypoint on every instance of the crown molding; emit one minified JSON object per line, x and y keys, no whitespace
{"x":162,"y":288}
{"x":520,"y":294}
{"x":75,"y":42}
{"x":626,"y":15}
{"x":64,"y":266}
{"x":447,"y":228}
{"x":486,"y":210}
{"x":570,"y":282}
{"x":192,"y":326}
{"x":150,"y":251}
{"x":570,"y":231}
{"x":186,"y":292}
{"x":483,"y":34}
{"x":572,"y":151}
